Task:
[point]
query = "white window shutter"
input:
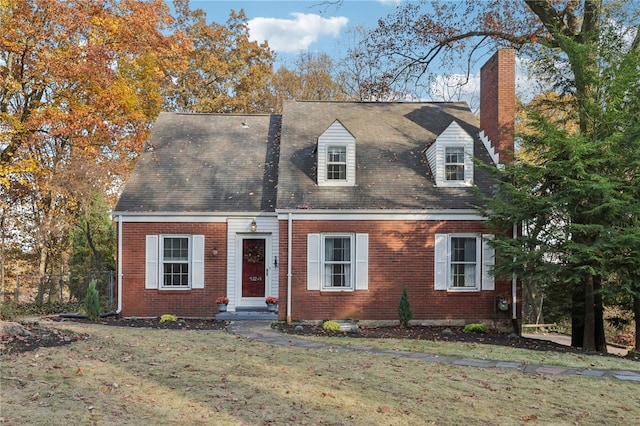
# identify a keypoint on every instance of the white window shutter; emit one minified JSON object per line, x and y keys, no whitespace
{"x":362,"y":261}
{"x":488,"y":260}
{"x":441,"y":256}
{"x":197,"y":261}
{"x":313,"y":261}
{"x":151,"y":262}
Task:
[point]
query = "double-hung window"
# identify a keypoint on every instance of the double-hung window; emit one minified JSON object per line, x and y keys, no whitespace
{"x":338,"y":256}
{"x":175,"y":262}
{"x":454,"y":163}
{"x":337,"y":262}
{"x":337,"y":163}
{"x":463,"y":262}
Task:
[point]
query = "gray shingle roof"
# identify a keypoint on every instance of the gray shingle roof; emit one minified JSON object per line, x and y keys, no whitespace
{"x":391,"y":172}
{"x":205,"y":163}
{"x":212,"y":163}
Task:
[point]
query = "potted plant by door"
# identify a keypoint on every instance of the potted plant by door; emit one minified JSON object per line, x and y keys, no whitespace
{"x":272,"y":303}
{"x":222,"y":303}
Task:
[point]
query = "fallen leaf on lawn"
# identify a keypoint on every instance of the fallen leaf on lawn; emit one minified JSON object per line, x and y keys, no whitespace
{"x":384,"y":410}
{"x":529,"y":417}
{"x":79,"y":372}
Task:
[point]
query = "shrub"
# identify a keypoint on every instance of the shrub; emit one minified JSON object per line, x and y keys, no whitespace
{"x":404,"y":309}
{"x":331,"y":326}
{"x":476,"y":328}
{"x":92,"y":302}
{"x":168,"y":318}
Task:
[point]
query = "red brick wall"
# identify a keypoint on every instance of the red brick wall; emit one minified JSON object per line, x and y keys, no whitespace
{"x":400,"y":253}
{"x":138,"y":301}
{"x":498,"y":102}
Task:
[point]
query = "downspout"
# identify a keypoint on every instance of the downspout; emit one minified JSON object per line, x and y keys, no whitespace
{"x":514,"y":292}
{"x":289,"y":251}
{"x":119,"y":309}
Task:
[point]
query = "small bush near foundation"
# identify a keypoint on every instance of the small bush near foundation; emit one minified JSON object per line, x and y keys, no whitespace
{"x":168,"y":318}
{"x":92,"y":302}
{"x":331,"y":326}
{"x":476,"y":328}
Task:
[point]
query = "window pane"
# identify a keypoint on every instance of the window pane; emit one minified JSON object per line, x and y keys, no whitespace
{"x":337,"y":171}
{"x":176,"y":249}
{"x":337,"y":154}
{"x":176,"y":274}
{"x":337,"y":249}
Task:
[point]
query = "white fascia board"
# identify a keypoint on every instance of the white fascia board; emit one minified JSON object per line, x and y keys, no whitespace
{"x":199,"y":217}
{"x":462,"y":214}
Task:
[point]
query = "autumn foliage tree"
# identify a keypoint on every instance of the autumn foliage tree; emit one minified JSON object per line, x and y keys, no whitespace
{"x":79,"y":88}
{"x":224,"y":71}
{"x":589,"y":50}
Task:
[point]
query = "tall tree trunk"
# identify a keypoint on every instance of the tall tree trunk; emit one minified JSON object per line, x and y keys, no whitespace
{"x":577,"y":317}
{"x":636,"y":315}
{"x":589,"y":331}
{"x":598,"y":308}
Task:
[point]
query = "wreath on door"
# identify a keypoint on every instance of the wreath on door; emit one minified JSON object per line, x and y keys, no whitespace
{"x":254,"y":254}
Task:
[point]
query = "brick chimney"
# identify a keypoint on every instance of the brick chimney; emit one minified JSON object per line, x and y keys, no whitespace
{"x":498,"y":104}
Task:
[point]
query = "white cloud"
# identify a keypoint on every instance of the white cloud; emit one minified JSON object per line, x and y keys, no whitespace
{"x":294,"y":35}
{"x":390,"y":2}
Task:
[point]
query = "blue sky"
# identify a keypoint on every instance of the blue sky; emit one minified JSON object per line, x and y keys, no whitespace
{"x":318,"y":26}
{"x":294,"y":26}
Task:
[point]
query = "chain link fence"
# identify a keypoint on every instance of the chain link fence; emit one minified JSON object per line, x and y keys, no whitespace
{"x":64,"y":288}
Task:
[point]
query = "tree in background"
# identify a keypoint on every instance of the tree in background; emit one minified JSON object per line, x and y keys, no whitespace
{"x":310,"y":79}
{"x":588,"y":49}
{"x":79,"y":89}
{"x":224,"y":72}
{"x":93,"y":244}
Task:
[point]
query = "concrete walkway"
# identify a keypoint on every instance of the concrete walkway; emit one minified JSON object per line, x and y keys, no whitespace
{"x":261,"y":331}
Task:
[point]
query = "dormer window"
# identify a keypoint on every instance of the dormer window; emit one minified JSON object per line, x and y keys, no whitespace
{"x":337,"y":163}
{"x":450,"y":157}
{"x":454,"y":163}
{"x":336,"y":156}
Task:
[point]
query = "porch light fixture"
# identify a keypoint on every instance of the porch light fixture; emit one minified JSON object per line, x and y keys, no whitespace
{"x":214,"y":252}
{"x":253,"y":226}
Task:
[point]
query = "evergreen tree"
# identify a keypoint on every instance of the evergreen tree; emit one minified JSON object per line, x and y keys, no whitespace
{"x":404,"y":309}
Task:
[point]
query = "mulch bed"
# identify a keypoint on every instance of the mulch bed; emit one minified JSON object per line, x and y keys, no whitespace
{"x":42,"y":336}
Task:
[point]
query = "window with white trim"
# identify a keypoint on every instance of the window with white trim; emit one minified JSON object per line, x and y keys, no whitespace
{"x":463,"y":262}
{"x":337,"y":261}
{"x":338,"y":268}
{"x":454,"y":163}
{"x":337,"y":163}
{"x":174,"y":262}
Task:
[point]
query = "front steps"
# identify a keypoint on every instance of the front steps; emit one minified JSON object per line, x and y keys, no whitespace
{"x":247,"y":314}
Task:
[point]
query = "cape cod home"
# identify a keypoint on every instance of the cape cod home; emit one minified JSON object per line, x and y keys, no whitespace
{"x":332,"y":207}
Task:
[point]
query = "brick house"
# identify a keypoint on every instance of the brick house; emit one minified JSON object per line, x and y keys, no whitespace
{"x":332,"y":207}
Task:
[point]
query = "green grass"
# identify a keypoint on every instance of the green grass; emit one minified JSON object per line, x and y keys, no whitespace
{"x":127,"y":376}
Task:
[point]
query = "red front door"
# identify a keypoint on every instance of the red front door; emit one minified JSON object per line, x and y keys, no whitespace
{"x":253,"y":267}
